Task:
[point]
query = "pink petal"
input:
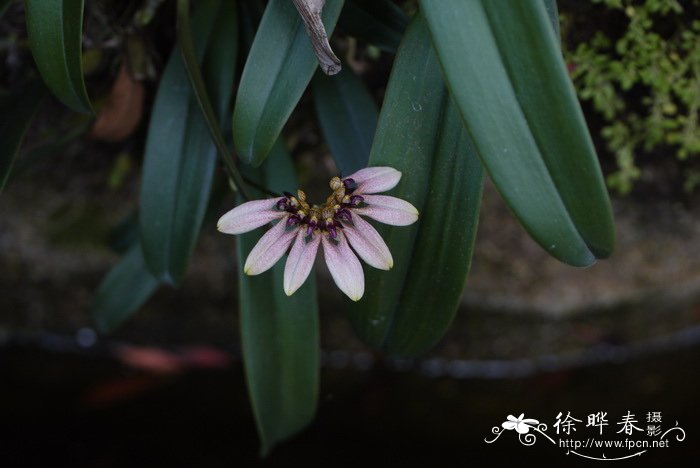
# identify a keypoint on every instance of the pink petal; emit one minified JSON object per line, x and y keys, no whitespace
{"x":368,"y":244}
{"x":300,"y":261}
{"x":375,"y":179}
{"x":249,"y":215}
{"x":269,"y":248}
{"x":344,"y":266}
{"x":388,"y":210}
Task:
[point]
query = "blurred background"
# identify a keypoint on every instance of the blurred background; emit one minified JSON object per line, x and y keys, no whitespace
{"x":532,"y":335}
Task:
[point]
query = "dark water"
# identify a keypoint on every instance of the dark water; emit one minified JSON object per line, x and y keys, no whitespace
{"x":87,"y":409}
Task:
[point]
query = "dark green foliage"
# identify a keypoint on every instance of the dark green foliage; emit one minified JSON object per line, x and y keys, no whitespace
{"x":55,"y":30}
{"x":420,"y":134}
{"x":525,"y":121}
{"x":279,"y":334}
{"x":123,"y":291}
{"x":278,"y":69}
{"x":475,"y":85}
{"x":180,"y":154}
{"x":348,"y":116}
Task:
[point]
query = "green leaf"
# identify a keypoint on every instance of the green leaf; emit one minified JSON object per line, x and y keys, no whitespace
{"x":377,"y":22}
{"x":280,"y":334}
{"x":348,"y":116}
{"x":219,"y":62}
{"x":180,"y":156}
{"x":444,"y":243}
{"x":55,"y":29}
{"x":278,"y":69}
{"x":553,"y":14}
{"x":408,"y":309}
{"x":21,"y":104}
{"x":123,"y":291}
{"x":505,"y":71}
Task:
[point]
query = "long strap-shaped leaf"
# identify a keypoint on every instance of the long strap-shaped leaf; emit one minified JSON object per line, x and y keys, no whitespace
{"x":17,"y":108}
{"x":180,"y":155}
{"x":280,"y":65}
{"x":553,"y":14}
{"x":504,"y":69}
{"x":221,"y":69}
{"x":409,"y":308}
{"x":123,"y":291}
{"x":55,"y":30}
{"x":280,"y":334}
{"x":348,"y":116}
{"x":444,"y":244}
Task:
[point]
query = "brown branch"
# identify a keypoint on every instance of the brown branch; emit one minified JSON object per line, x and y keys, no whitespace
{"x":310,"y":12}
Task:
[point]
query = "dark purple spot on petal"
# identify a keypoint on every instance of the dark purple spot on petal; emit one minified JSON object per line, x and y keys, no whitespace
{"x":343,"y":215}
{"x":332,"y":231}
{"x":311,"y":225}
{"x":293,"y":220}
{"x":350,"y":185}
{"x":356,"y":200}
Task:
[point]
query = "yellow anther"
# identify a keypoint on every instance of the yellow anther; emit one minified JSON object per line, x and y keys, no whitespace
{"x":336,"y":183}
{"x":327,"y":212}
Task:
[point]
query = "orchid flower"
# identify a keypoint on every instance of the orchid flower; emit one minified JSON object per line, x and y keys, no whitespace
{"x":337,"y":225}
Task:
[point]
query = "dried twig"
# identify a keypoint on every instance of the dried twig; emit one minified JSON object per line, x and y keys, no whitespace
{"x":310,"y":12}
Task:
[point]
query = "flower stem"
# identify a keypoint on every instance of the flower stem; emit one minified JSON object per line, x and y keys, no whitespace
{"x":310,"y":12}
{"x":261,"y":188}
{"x":184,"y":40}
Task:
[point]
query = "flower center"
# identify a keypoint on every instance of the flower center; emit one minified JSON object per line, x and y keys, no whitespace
{"x":324,"y":218}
